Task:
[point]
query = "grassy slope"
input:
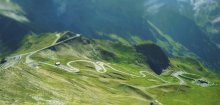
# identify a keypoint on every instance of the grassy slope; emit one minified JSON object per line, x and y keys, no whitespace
{"x":33,"y":42}
{"x":195,"y":95}
{"x":47,"y":85}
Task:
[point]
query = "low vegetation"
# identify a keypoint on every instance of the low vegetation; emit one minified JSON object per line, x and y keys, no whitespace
{"x":24,"y":84}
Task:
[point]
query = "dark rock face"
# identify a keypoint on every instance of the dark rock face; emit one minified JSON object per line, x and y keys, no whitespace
{"x":154,"y":56}
{"x":106,"y":54}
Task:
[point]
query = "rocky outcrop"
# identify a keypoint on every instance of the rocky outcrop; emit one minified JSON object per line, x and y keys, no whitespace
{"x":154,"y":56}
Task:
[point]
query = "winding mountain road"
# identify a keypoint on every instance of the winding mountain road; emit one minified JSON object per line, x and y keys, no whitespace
{"x":63,"y":67}
{"x":177,"y":75}
{"x":55,"y":43}
{"x":101,"y":68}
{"x":28,"y":55}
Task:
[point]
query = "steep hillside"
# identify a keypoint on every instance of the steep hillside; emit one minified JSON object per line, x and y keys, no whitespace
{"x":88,"y":17}
{"x":82,"y":71}
{"x":13,"y":26}
{"x":109,"y":52}
{"x":11,"y":33}
{"x":186,"y":29}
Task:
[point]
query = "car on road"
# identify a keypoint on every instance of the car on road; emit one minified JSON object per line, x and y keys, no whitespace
{"x":78,"y":35}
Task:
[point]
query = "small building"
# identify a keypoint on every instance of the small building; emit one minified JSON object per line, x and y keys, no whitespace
{"x":57,"y":63}
{"x":78,"y":35}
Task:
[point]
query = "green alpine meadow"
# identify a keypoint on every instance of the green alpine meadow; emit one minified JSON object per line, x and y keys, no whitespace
{"x":109,"y":52}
